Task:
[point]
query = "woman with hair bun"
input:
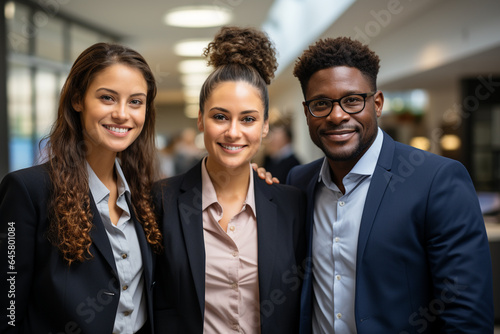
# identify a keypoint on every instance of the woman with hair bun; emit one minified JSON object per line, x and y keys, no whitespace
{"x":233,"y":244}
{"x":77,"y":232}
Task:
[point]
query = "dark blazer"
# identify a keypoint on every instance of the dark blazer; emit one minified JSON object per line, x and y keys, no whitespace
{"x":50,"y":296}
{"x":423,"y":260}
{"x":180,"y":292}
{"x":280,"y":168}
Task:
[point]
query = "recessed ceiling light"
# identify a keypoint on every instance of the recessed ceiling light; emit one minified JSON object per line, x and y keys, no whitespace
{"x":191,"y":47}
{"x":198,"y":16}
{"x":193,"y":66}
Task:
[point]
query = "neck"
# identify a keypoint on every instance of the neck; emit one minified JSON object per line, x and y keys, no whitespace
{"x":338,"y":170}
{"x":104,"y":167}
{"x":231,"y":181}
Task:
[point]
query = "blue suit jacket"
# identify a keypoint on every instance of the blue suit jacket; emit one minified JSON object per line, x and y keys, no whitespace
{"x":50,"y":296}
{"x":180,"y":292}
{"x":423,"y":260}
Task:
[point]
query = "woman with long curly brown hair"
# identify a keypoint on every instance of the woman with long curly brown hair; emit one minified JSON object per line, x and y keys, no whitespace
{"x":79,"y":230}
{"x":232,"y":242}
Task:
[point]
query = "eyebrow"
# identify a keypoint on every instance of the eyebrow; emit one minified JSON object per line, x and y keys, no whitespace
{"x":116,"y":93}
{"x":244,"y":112}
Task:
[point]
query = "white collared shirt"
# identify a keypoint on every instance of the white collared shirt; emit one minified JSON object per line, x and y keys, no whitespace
{"x":337,"y":219}
{"x":131,"y":313}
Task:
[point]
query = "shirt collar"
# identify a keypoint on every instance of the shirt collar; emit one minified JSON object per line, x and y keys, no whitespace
{"x":366,"y":164}
{"x":209,"y":196}
{"x":99,"y":190}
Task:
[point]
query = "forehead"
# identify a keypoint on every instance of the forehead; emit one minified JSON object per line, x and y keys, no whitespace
{"x":337,"y":80}
{"x":235,"y":92}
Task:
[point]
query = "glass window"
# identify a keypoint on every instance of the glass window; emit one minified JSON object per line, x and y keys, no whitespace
{"x":49,"y":41}
{"x":20,"y":116}
{"x":19,"y":28}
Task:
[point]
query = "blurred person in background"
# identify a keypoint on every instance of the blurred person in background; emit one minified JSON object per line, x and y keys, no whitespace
{"x":279,"y":155}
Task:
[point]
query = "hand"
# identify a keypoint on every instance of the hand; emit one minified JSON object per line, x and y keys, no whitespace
{"x":264,"y":175}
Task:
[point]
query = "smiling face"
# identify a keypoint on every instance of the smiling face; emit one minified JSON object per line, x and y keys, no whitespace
{"x":342,"y":136}
{"x":233,"y":125}
{"x":113,"y":109}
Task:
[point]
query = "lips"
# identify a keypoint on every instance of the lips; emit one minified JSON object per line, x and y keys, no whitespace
{"x":338,"y":134}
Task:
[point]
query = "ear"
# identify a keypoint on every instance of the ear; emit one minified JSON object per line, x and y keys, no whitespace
{"x":76,"y":104}
{"x":265,"y":130}
{"x":201,"y":127}
{"x":379,"y":102}
{"x":306,"y":112}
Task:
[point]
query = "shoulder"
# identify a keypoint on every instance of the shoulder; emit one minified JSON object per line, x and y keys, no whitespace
{"x":301,"y":175}
{"x":34,"y":178}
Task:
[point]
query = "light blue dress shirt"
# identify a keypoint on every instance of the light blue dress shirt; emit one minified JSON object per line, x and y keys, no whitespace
{"x":131,"y":313}
{"x":337,"y":218}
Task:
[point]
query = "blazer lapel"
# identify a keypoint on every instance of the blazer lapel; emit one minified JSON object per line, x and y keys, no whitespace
{"x":146,"y":251}
{"x":100,"y":237}
{"x":380,"y":180}
{"x":266,"y":233}
{"x":191,"y":219}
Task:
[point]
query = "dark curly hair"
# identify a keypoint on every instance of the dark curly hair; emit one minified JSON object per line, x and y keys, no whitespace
{"x":240,"y":54}
{"x":341,"y":51}
{"x":71,"y":217}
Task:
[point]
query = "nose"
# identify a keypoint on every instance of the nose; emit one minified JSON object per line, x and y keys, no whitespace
{"x":338,"y":115}
{"x":121,"y":112}
{"x":233,"y":130}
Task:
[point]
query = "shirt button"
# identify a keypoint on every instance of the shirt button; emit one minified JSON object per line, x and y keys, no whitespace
{"x":125,"y":287}
{"x":341,"y":203}
{"x":234,"y":286}
{"x":235,"y":254}
{"x":127,"y":313}
{"x":124,"y":256}
{"x":231,"y":228}
{"x":236,"y":327}
{"x":337,"y":277}
{"x":339,"y":315}
{"x":337,"y":239}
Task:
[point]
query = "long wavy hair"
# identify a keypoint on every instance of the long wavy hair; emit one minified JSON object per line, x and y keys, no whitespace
{"x":71,"y":217}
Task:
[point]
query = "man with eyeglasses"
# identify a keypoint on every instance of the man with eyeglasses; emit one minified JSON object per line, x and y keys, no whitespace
{"x":397,"y":242}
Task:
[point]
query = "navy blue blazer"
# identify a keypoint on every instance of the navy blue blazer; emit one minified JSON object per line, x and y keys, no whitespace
{"x":423,"y":260}
{"x":180,"y":271}
{"x":48,"y":295}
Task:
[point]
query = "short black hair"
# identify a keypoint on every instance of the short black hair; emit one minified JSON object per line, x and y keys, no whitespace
{"x":332,"y":52}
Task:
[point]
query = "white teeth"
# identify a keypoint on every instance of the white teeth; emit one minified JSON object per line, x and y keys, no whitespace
{"x":231,"y":148}
{"x":114,"y":129}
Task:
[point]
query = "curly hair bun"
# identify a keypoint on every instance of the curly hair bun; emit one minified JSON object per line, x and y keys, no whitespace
{"x":245,"y":46}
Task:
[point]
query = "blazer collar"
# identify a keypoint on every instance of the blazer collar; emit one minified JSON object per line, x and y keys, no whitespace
{"x":189,"y":205}
{"x":378,"y":186}
{"x":267,"y":220}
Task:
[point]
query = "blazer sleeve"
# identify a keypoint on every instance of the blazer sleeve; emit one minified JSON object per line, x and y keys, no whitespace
{"x":18,"y":226}
{"x":458,"y":253}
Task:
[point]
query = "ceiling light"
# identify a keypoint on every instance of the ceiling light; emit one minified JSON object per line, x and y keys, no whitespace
{"x":198,"y":16}
{"x":194,"y":79}
{"x":10,"y":10}
{"x":450,"y":142}
{"x":193,"y":66}
{"x":420,"y":142}
{"x":191,"y":110}
{"x":191,"y":48}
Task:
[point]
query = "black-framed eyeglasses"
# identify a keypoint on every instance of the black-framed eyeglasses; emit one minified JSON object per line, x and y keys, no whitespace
{"x":351,"y":104}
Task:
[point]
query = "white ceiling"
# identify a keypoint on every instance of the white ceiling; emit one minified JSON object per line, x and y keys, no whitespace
{"x":140,"y":22}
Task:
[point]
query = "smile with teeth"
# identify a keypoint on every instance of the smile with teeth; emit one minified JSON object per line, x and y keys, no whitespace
{"x":231,"y":148}
{"x":115,"y":129}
